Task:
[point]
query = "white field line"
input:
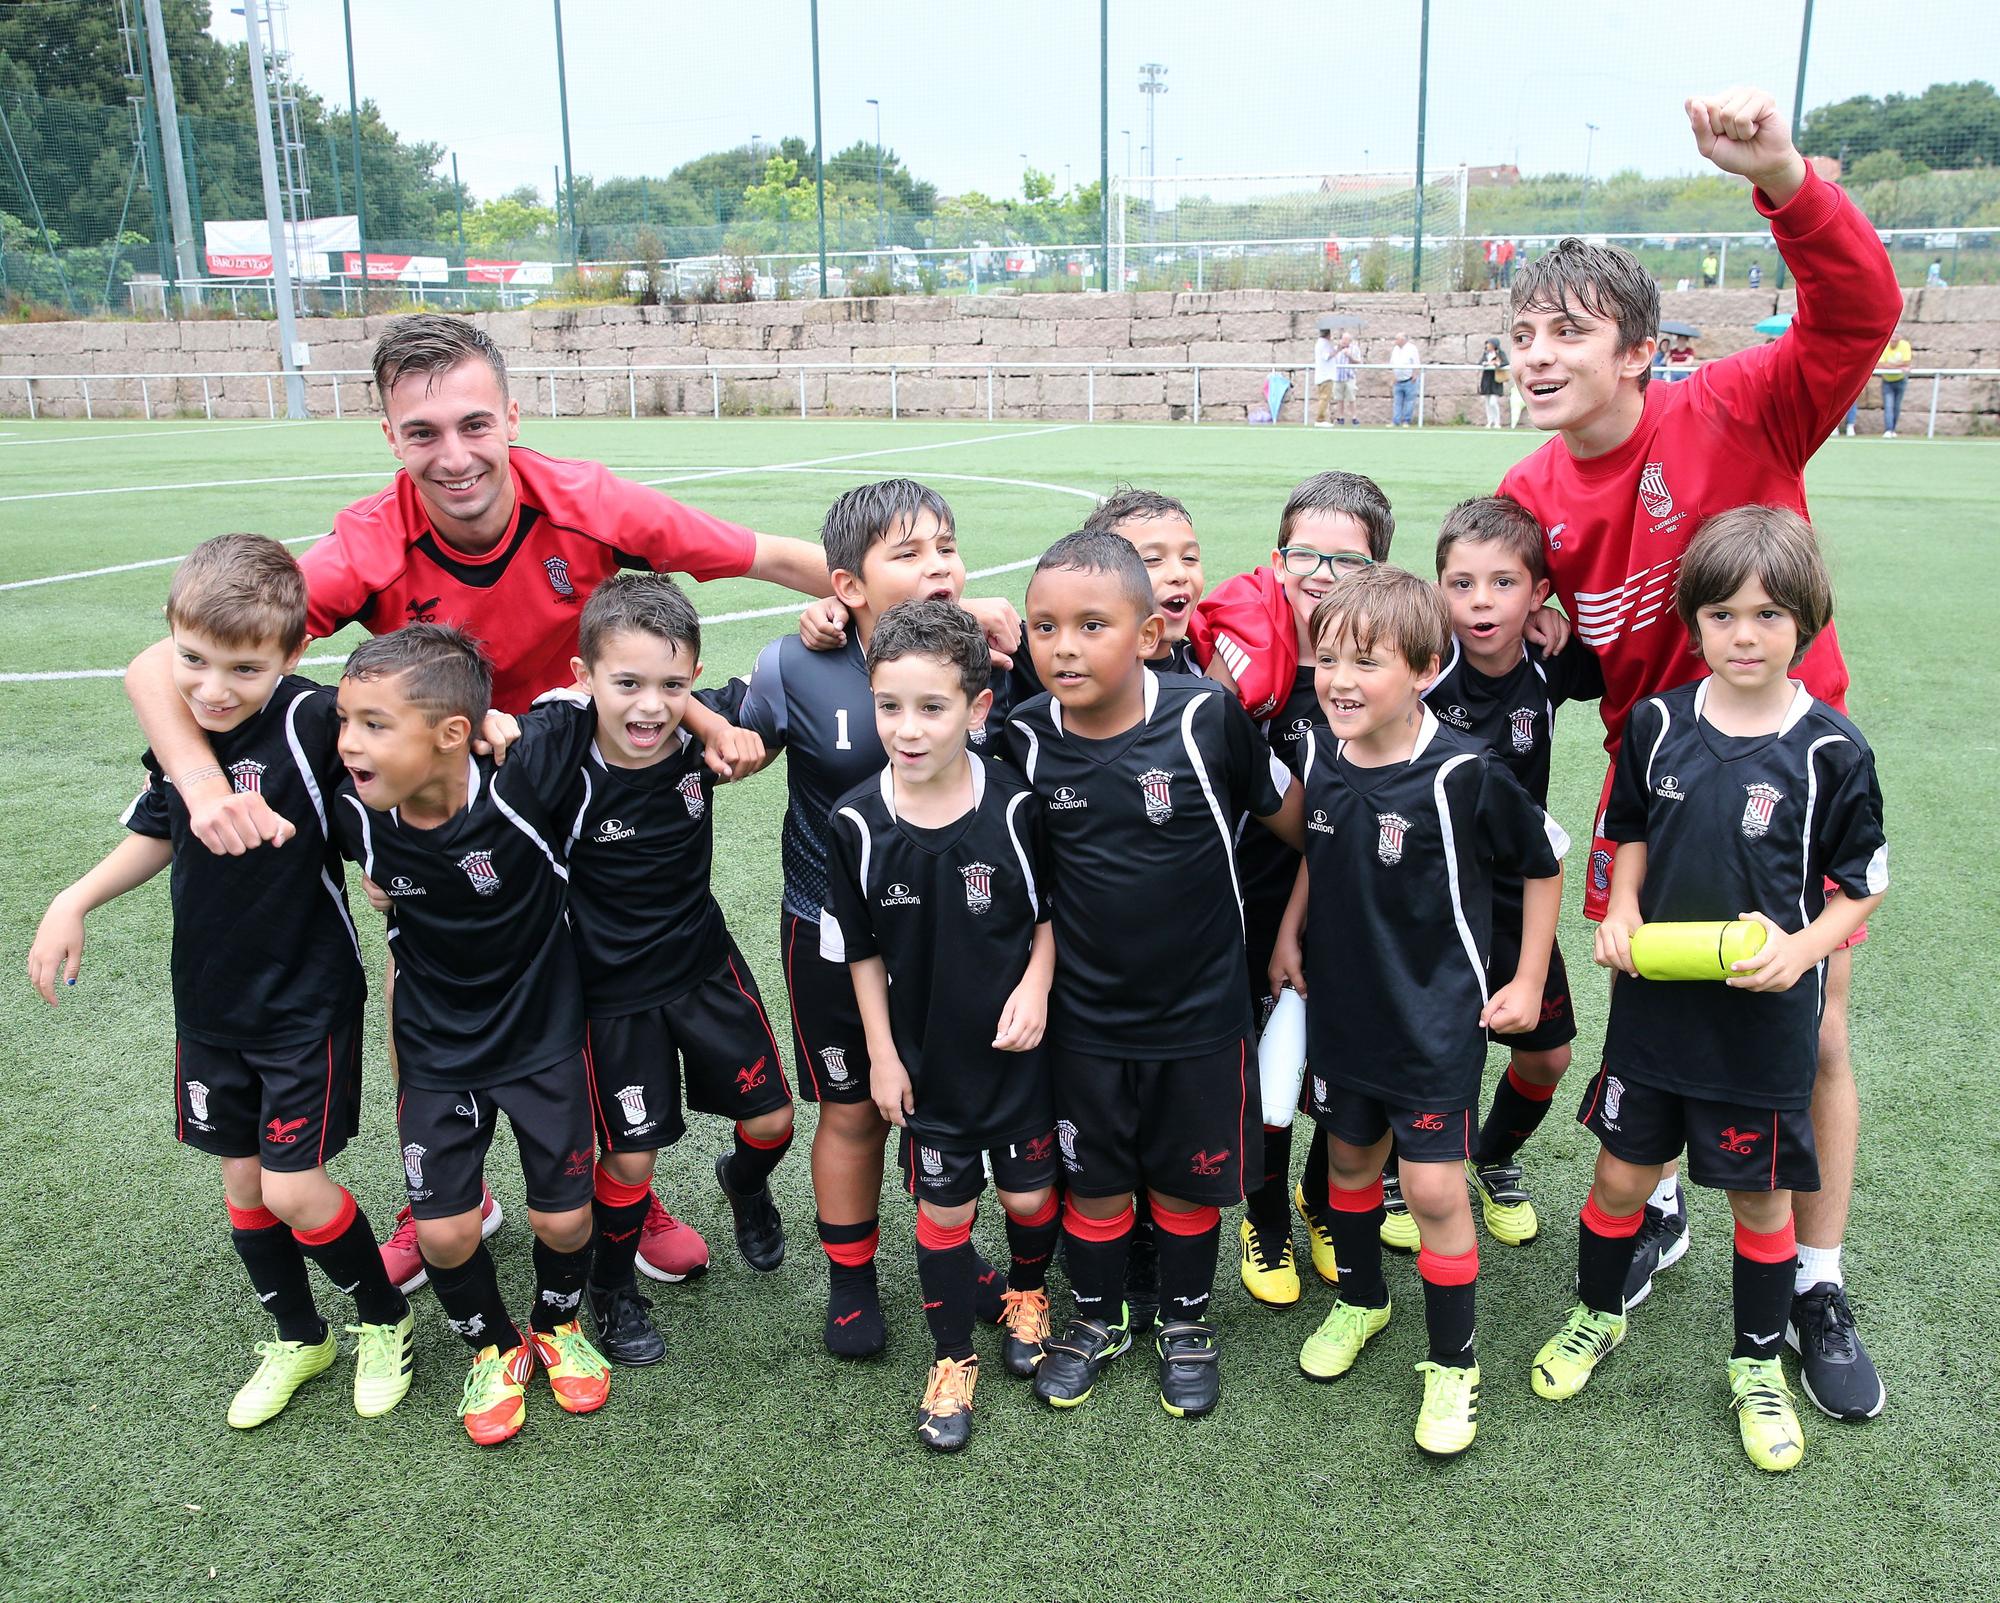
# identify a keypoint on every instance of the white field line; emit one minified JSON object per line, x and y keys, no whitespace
{"x":785,"y":609}
{"x":158,"y":434}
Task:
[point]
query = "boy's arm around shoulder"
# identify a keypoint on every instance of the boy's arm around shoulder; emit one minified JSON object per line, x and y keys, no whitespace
{"x":714,"y":717}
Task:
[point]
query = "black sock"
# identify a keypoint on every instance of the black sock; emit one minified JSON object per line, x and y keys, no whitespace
{"x":278,"y":1273}
{"x":750,"y":1165}
{"x":618,"y":1215}
{"x":1512,"y":1118}
{"x":351,"y":1260}
{"x":1357,"y":1248}
{"x":1187,"y":1265}
{"x":1267,"y":1205}
{"x":1315,"y":1179}
{"x":1032,"y":1242}
{"x":1095,"y":1251}
{"x":1604,"y":1247}
{"x":472,"y":1304}
{"x":945,"y":1271}
{"x":987,"y":1284}
{"x":854,"y":1327}
{"x":1763,"y":1290}
{"x":1449,"y":1309}
{"x":559,"y":1278}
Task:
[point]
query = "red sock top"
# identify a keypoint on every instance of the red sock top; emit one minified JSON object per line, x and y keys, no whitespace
{"x":1768,"y":1246}
{"x":334,"y":1228}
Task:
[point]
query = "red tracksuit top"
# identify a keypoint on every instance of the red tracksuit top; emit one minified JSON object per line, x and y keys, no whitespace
{"x":575,"y":523}
{"x":1739,"y":431}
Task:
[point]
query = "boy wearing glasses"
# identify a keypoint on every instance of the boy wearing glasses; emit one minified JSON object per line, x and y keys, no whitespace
{"x":1256,"y":631}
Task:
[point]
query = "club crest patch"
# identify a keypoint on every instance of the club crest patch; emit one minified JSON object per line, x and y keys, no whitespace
{"x":978,"y":886}
{"x":478,"y":868}
{"x":1759,"y":800}
{"x":1521,"y":725}
{"x":1156,"y":785}
{"x":558,"y":571}
{"x":1390,"y":830}
{"x":246,"y":774}
{"x":691,"y":793}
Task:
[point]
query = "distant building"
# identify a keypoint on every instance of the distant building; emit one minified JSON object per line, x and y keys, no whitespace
{"x":1505,"y":176}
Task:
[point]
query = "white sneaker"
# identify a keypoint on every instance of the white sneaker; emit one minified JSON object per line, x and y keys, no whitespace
{"x":1888,"y":434}
{"x":1850,"y":431}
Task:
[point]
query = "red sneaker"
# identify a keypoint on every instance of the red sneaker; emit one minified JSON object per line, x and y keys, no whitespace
{"x":668,"y":1249}
{"x":404,"y":1264}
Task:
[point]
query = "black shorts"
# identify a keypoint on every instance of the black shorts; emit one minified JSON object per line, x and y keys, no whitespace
{"x":714,"y":1037}
{"x":290,"y":1109}
{"x":949,"y":1176}
{"x":1187,"y":1127}
{"x":1731,"y":1146}
{"x":1423,"y":1135}
{"x":1558,"y":1022}
{"x":445,"y":1135}
{"x":833,"y":1050}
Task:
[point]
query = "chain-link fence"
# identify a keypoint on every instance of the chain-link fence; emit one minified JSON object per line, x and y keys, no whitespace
{"x":1079,"y":147}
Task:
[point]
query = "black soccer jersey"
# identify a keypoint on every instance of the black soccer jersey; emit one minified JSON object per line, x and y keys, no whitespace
{"x":648,"y":928}
{"x":1736,"y":824}
{"x":818,"y":708}
{"x":1515,"y":713}
{"x":952,"y":914}
{"x":264,"y":954}
{"x":487,"y":988}
{"x":1400,"y":922}
{"x":1267,"y":865}
{"x":1148,"y":912}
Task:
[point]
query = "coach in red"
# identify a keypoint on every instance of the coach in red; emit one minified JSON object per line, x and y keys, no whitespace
{"x":495,"y":538}
{"x":1620,"y":495}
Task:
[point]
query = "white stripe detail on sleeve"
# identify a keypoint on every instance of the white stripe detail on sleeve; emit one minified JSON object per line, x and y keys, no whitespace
{"x":367,"y":835}
{"x":305,"y":768}
{"x":1021,"y":856}
{"x":1208,"y":795}
{"x":576,"y":827}
{"x":1556,"y":835}
{"x":1877,"y":877}
{"x":1660,"y":738}
{"x":1805,"y":849}
{"x":132,"y":806}
{"x":528,"y":829}
{"x":1312,"y":751}
{"x":1281,"y":777}
{"x":340,"y":907}
{"x":1451,"y":870}
{"x":832,"y":944}
{"x":1034,"y":748}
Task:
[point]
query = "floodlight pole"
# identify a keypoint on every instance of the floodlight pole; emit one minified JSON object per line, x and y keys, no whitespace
{"x":819,"y":153}
{"x":166,"y":125}
{"x":569,"y":176}
{"x":1423,"y":99}
{"x":274,"y":214}
{"x":1799,"y":100}
{"x":1104,"y":140}
{"x":354,"y":129}
{"x":880,"y":239}
{"x":149,"y":123}
{"x":1150,"y":75}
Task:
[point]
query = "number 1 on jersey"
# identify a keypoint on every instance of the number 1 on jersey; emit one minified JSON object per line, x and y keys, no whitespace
{"x":840,"y":740}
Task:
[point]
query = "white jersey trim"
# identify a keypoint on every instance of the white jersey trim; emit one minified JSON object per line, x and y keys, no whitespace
{"x":1207,"y":790}
{"x":832,"y":939}
{"x":1465,"y":935}
{"x":529,"y":830}
{"x":1021,"y":855}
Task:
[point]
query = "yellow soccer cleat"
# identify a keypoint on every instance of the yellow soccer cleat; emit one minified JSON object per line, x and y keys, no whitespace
{"x":1326,"y":1264}
{"x":1567,"y":1359}
{"x":282,"y":1368}
{"x":1330,"y":1351}
{"x":1270,"y":1269}
{"x":1504,"y":1202}
{"x":383,"y":1362}
{"x":1399,"y":1230}
{"x":1764,"y":1414}
{"x":1449,"y":1417}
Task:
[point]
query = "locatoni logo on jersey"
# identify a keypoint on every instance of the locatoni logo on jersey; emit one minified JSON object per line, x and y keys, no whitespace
{"x":613,"y":829}
{"x":1066,"y":799}
{"x":900,"y":895}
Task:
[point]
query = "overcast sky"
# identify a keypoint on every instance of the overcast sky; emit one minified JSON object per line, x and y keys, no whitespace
{"x":966,"y":90}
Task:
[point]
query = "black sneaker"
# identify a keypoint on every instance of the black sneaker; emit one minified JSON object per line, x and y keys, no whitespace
{"x":1661,"y":1243}
{"x":1142,"y":1281}
{"x":760,"y":1233}
{"x":1069,"y":1367}
{"x":944,"y":1417}
{"x":1190,"y":1371}
{"x":1834,"y":1367}
{"x":625,"y":1332}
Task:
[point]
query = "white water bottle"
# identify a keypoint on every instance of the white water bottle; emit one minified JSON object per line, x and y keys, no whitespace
{"x":1281,"y":1059}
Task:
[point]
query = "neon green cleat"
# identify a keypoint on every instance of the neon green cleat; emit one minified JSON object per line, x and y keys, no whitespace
{"x":283,"y":1367}
{"x":1399,"y":1231}
{"x":1449,"y":1417}
{"x":1566,"y":1360}
{"x":382,"y":1364}
{"x":1330,"y":1351}
{"x":1764,"y":1414}
{"x":1504,"y":1202}
{"x":1326,"y":1264}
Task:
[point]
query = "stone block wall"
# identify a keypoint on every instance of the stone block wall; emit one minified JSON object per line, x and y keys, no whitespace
{"x":954,"y":356}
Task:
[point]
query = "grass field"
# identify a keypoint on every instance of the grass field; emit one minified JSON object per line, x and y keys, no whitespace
{"x":751,"y":1464}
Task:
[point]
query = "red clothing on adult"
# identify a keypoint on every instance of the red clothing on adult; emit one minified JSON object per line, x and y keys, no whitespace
{"x":1737,"y":431}
{"x":574,"y":524}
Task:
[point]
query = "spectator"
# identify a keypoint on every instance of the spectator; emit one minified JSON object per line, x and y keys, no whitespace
{"x":1681,"y":360}
{"x":1895,"y":371}
{"x":1934,"y":277}
{"x":1506,"y":262}
{"x":1323,"y":364}
{"x":1492,"y":381}
{"x":1711,"y":270}
{"x":1346,"y":399}
{"x":1756,"y":275}
{"x":1405,"y":362}
{"x":1492,"y":263}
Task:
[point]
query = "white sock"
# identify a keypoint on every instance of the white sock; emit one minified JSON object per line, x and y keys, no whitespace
{"x":1666,"y":1195}
{"x":1817,"y":1264}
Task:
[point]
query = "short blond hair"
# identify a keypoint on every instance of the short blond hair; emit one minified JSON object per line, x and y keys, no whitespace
{"x":1387,"y":607}
{"x":1774,"y":546}
{"x":240,"y":590}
